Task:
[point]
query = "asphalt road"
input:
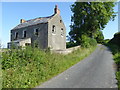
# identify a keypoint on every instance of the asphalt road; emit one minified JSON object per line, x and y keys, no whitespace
{"x":95,"y":71}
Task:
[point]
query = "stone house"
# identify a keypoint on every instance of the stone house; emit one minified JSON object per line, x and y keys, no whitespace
{"x":43,"y":31}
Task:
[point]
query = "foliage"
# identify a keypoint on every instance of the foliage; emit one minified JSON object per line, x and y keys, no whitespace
{"x":99,"y":37}
{"x":89,"y":18}
{"x":118,"y":77}
{"x":106,"y":41}
{"x":29,"y":67}
{"x":0,"y":66}
{"x":116,"y":39}
{"x":116,"y":55}
{"x":115,"y":48}
{"x":118,"y":33}
{"x":70,"y":44}
{"x":35,"y":44}
{"x":87,"y":42}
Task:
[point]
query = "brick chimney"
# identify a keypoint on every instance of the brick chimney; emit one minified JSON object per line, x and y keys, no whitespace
{"x":22,"y":21}
{"x":56,"y":10}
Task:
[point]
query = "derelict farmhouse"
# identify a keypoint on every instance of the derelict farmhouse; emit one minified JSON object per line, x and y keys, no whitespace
{"x":46,"y":32}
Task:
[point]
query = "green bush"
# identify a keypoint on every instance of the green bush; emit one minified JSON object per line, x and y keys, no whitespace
{"x":118,"y":78}
{"x":29,"y":67}
{"x":118,"y":33}
{"x":106,"y":41}
{"x":116,"y":55}
{"x":93,"y":42}
{"x":70,"y":44}
{"x":87,"y":41}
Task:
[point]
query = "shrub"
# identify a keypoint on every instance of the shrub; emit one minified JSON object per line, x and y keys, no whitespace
{"x":106,"y":41}
{"x":116,"y":39}
{"x":29,"y":67}
{"x":118,"y":78}
{"x":71,"y":44}
{"x":87,"y":41}
{"x":92,"y":42}
{"x":116,"y":55}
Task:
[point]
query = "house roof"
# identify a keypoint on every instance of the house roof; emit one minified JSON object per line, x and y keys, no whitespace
{"x":33,"y":22}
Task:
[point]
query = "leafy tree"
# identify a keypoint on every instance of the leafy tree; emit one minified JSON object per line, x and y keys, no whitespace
{"x":90,"y":17}
{"x":99,"y":37}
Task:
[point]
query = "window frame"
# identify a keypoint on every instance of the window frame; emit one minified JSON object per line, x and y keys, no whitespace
{"x":36,"y":31}
{"x":24,"y":35}
{"x":53,"y":29}
{"x":16,"y":35}
{"x":60,"y":21}
{"x":62,"y":32}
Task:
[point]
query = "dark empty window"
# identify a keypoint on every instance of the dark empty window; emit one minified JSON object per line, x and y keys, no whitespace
{"x":16,"y":35}
{"x":36,"y":31}
{"x":60,"y":21}
{"x":53,"y":29}
{"x":24,"y":34}
{"x":27,"y":44}
{"x":62,"y":32}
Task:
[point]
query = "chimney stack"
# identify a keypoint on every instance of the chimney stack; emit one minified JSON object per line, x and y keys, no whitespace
{"x":56,"y":10}
{"x":22,"y":21}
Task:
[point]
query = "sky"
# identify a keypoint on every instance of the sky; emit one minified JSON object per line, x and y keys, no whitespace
{"x":12,"y":12}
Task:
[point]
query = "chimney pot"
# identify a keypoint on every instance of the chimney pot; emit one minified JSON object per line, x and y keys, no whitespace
{"x":22,"y":21}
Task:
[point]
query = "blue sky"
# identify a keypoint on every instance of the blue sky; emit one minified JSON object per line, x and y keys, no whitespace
{"x":12,"y":12}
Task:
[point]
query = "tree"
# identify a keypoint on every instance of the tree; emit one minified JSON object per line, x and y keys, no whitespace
{"x":99,"y":37}
{"x":90,"y":17}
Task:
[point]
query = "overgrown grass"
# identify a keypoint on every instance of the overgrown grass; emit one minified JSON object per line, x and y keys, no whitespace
{"x":0,"y":71}
{"x":116,"y":55}
{"x":30,"y":67}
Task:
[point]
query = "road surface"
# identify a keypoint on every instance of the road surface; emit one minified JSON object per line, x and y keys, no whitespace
{"x":95,"y":71}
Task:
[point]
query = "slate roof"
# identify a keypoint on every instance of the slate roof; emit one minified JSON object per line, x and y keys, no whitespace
{"x":33,"y":22}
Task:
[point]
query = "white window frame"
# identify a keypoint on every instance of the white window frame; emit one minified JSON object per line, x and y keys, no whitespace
{"x":23,"y":34}
{"x":35,"y":31}
{"x":53,"y":31}
{"x":15,"y":35}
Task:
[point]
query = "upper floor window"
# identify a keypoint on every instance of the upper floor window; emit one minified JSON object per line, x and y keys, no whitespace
{"x":62,"y":32}
{"x":16,"y":35}
{"x":53,"y":29}
{"x":36,"y":31}
{"x":60,"y":21}
{"x":24,"y":34}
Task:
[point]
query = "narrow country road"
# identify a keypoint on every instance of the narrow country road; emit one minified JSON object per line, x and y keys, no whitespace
{"x":95,"y":71}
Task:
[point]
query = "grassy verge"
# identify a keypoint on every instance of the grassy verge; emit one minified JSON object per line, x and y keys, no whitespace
{"x":0,"y":71}
{"x":30,"y":67}
{"x":116,"y":55}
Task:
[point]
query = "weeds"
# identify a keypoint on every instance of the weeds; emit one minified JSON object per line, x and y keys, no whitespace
{"x":27,"y":68}
{"x":116,"y":55}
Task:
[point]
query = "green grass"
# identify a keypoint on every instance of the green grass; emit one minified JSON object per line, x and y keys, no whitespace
{"x":30,"y":67}
{"x":118,"y":78}
{"x":0,"y":72}
{"x":116,"y":55}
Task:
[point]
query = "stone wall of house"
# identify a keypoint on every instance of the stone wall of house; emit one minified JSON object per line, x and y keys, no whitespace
{"x":41,"y":39}
{"x":56,"y":41}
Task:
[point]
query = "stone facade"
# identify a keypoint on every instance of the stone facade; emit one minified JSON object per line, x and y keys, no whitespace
{"x":44,"y":31}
